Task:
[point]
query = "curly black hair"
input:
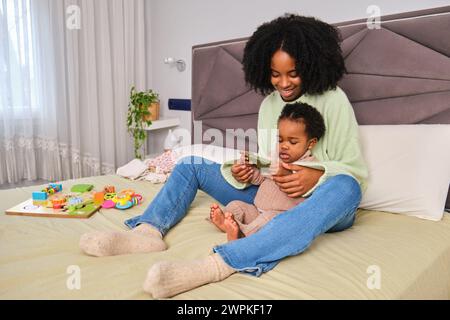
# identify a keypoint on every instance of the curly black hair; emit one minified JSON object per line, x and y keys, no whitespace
{"x":303,"y":112}
{"x":312,"y":43}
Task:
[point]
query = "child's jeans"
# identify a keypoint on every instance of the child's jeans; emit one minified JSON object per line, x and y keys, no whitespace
{"x":330,"y":208}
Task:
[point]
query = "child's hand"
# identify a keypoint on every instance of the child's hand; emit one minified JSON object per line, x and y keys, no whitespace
{"x":242,"y":172}
{"x":245,"y":159}
{"x":276,"y":169}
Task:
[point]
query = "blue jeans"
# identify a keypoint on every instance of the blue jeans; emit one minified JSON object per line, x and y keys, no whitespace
{"x":330,"y":208}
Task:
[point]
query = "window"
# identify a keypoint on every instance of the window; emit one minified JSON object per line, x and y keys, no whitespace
{"x":17,"y":59}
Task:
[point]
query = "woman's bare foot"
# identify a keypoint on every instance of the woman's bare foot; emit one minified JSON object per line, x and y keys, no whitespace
{"x":231,"y":227}
{"x":217,"y":217}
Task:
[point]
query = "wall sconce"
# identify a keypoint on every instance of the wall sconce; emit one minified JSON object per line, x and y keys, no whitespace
{"x":180,"y":64}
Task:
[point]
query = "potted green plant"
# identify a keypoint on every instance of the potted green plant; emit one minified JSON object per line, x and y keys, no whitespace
{"x":142,"y":109}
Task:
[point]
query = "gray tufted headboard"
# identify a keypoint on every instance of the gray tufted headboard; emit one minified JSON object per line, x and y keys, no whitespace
{"x":398,"y":74}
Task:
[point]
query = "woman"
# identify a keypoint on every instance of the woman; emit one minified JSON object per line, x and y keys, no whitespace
{"x":290,"y":59}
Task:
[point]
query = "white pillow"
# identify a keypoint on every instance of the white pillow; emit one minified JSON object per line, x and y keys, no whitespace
{"x":409,"y":169}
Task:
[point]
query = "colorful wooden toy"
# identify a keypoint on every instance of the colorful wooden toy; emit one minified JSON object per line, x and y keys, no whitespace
{"x":125,"y":199}
{"x":81,"y":188}
{"x":109,"y":189}
{"x":40,"y":198}
{"x":52,"y":202}
{"x":99,"y":197}
{"x":108,"y":204}
{"x":58,"y":203}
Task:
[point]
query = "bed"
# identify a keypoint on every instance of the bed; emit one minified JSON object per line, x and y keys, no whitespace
{"x":38,"y":256}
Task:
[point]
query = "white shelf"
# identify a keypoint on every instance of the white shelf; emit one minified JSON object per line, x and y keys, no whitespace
{"x":163,"y":123}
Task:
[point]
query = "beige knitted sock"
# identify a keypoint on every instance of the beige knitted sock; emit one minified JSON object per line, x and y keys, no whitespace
{"x":143,"y":238}
{"x":166,"y":279}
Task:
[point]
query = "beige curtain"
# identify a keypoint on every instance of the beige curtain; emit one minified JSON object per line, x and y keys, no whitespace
{"x":63,"y":107}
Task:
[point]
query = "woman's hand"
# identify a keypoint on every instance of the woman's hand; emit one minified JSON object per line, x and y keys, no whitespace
{"x":298,"y":183}
{"x":276,"y":169}
{"x":242,"y":172}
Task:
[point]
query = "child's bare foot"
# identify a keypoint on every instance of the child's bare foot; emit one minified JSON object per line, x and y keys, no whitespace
{"x":217,"y":217}
{"x":231,"y":227}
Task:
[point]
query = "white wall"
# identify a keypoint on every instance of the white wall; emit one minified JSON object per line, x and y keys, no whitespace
{"x":177,"y":25}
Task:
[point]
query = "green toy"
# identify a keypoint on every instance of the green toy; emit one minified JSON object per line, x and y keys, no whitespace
{"x":81,"y":188}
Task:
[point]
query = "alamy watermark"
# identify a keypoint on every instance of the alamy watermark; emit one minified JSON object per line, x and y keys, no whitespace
{"x":374,"y":280}
{"x":73,"y":281}
{"x":374,"y":20}
{"x":73,"y":17}
{"x":214,"y":145}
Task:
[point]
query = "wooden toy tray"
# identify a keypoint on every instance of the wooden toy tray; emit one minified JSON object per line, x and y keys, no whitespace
{"x":27,"y":208}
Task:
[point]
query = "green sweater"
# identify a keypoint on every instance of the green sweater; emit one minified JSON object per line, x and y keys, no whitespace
{"x":337,"y":152}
